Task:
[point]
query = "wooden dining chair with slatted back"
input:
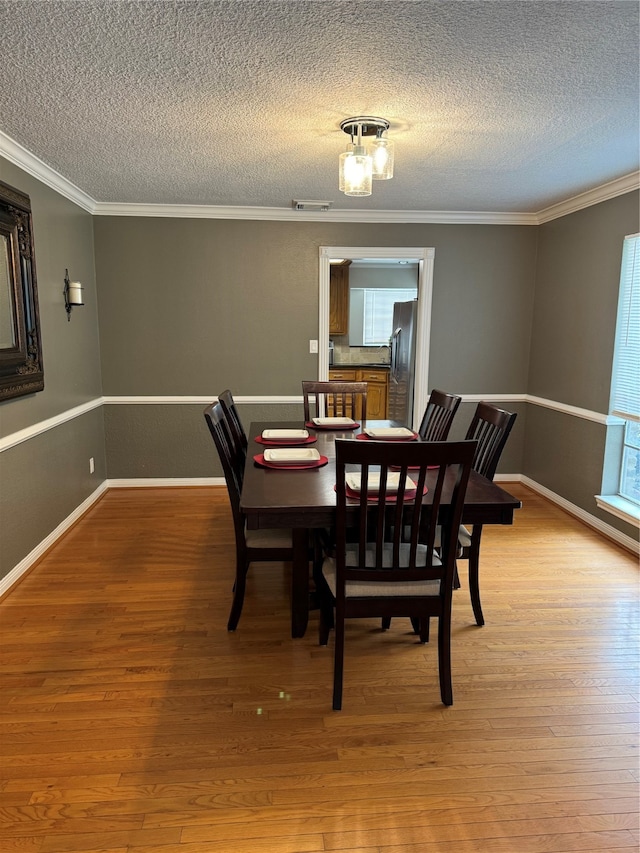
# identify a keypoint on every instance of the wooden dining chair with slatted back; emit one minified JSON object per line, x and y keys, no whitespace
{"x":435,"y":426}
{"x":225,"y":398}
{"x":386,"y":561}
{"x":490,"y":427}
{"x":334,"y":398}
{"x":252,"y":546}
{"x":438,"y":416}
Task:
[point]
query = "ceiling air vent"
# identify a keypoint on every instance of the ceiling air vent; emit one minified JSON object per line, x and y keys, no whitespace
{"x":298,"y":204}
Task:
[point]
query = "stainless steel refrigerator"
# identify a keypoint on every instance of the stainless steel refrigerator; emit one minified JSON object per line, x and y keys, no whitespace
{"x":403,"y":361}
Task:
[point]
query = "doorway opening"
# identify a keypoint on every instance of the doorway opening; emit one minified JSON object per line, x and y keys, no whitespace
{"x":425,"y":258}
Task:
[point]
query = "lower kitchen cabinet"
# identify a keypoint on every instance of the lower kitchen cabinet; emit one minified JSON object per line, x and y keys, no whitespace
{"x":377,"y":384}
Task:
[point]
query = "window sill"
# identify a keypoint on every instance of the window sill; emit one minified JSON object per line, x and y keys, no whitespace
{"x":620,"y":507}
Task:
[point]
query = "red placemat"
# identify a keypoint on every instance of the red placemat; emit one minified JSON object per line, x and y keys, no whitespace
{"x":364,"y":437}
{"x":260,"y":460}
{"x":286,"y":442}
{"x":340,"y":428}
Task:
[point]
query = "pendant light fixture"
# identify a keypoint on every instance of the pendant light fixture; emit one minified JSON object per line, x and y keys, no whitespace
{"x":360,"y":164}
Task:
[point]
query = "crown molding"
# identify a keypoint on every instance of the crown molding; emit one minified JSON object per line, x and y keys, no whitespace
{"x":285,"y":214}
{"x":19,"y":156}
{"x":620,"y":186}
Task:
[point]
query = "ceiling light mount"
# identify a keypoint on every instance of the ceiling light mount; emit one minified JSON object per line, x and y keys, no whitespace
{"x":360,"y":163}
{"x":368,"y":126}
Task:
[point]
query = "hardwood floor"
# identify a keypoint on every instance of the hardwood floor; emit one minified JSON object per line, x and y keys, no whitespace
{"x":133,"y":722}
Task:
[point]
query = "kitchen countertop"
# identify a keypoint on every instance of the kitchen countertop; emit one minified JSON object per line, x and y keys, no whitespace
{"x":364,"y":365}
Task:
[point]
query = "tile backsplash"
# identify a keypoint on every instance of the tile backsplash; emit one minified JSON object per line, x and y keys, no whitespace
{"x":344,"y":354}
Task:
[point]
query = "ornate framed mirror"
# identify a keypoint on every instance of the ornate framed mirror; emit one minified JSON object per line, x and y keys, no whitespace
{"x":21,"y":368}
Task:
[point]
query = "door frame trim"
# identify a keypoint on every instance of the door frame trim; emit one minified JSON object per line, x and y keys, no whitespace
{"x":425,"y":258}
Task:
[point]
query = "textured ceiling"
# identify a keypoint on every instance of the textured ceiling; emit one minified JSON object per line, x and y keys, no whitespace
{"x":494,"y":106}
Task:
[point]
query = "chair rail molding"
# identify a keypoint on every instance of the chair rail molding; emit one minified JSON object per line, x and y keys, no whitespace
{"x":38,"y":428}
{"x":32,"y":431}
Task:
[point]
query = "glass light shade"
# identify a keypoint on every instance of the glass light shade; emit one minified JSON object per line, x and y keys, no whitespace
{"x":356,"y":169}
{"x":382,"y":155}
{"x":349,"y":150}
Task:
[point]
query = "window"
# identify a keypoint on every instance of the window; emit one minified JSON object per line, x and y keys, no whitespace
{"x":625,"y":390}
{"x":372,"y":312}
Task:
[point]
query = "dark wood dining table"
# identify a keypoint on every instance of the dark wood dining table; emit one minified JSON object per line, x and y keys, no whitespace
{"x":306,"y":499}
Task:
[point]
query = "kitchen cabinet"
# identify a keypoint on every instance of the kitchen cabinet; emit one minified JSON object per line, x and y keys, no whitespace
{"x":377,"y":385}
{"x":339,"y":299}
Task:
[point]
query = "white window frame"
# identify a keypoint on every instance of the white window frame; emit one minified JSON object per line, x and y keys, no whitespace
{"x":624,"y":407}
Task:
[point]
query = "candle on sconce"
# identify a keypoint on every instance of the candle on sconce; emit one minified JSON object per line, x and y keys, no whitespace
{"x":75,"y":295}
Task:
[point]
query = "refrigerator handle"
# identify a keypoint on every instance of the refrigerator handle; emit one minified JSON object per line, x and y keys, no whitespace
{"x":395,"y":347}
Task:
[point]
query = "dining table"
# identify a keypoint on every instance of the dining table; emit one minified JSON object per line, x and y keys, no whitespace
{"x":303,"y":499}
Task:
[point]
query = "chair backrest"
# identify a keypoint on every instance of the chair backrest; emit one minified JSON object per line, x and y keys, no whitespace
{"x":438,"y":416}
{"x":231,"y":460}
{"x":490,"y":427}
{"x":395,"y":528}
{"x":225,"y":398}
{"x":336,"y":398}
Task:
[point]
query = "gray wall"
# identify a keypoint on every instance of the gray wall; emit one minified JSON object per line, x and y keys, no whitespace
{"x":190,"y":307}
{"x":194,"y":306}
{"x":574,"y":318}
{"x":44,"y":479}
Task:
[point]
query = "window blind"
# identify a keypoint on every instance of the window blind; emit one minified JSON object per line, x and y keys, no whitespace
{"x":625,"y":382}
{"x":378,"y":312}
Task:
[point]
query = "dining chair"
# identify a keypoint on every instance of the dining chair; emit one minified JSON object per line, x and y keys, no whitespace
{"x":490,"y":427}
{"x":386,"y":562}
{"x":435,"y":426}
{"x":225,"y":398}
{"x":438,"y":416}
{"x":252,"y":546}
{"x":334,"y":397}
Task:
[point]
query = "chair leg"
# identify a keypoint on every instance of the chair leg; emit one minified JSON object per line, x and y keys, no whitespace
{"x":474,"y":571}
{"x":444,"y":659}
{"x":421,"y":627}
{"x":325,"y":604}
{"x":238,"y":595}
{"x":415,"y":624}
{"x":338,"y":664}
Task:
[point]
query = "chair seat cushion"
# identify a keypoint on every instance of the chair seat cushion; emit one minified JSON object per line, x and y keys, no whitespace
{"x":356,"y":589}
{"x":464,"y":537}
{"x":268,"y":538}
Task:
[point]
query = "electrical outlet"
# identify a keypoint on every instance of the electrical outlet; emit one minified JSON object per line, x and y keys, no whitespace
{"x":92,"y":466}
{"x":313,"y":346}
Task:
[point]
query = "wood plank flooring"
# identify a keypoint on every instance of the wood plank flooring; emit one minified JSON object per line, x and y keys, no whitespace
{"x":133,"y":722}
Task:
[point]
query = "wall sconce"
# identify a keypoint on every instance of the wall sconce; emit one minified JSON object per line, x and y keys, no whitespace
{"x":73,"y":294}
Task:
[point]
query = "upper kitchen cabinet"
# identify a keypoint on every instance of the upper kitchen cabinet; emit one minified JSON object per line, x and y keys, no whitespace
{"x":339,"y":298}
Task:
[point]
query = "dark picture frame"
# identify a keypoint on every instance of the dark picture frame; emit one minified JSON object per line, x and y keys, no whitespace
{"x":21,"y":367}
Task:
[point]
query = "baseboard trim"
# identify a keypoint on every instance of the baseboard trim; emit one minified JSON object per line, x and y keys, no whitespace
{"x":586,"y":517}
{"x":24,"y":565}
{"x":163,"y":482}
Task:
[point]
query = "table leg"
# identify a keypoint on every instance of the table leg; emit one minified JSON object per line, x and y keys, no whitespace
{"x":300,"y":582}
